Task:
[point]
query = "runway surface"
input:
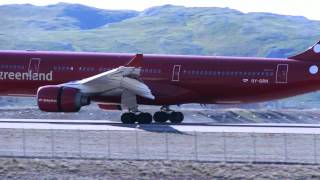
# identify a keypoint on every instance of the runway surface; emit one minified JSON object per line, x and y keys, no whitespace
{"x":187,"y":127}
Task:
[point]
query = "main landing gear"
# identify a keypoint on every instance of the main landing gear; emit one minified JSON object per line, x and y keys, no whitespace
{"x":139,"y":117}
{"x":165,"y":114}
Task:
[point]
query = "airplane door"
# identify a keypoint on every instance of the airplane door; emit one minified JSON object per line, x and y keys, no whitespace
{"x":176,"y":73}
{"x":34,"y":65}
{"x":282,"y":73}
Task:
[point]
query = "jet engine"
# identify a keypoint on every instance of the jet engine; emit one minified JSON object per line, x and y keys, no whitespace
{"x":61,"y":99}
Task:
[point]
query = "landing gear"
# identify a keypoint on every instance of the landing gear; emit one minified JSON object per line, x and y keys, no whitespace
{"x":161,"y":117}
{"x":167,"y":114}
{"x":139,"y":117}
{"x":176,"y":117}
{"x":144,"y":118}
{"x":128,"y":118}
{"x":129,"y":101}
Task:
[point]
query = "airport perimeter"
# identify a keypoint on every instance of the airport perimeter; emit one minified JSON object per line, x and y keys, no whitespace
{"x":145,"y":145}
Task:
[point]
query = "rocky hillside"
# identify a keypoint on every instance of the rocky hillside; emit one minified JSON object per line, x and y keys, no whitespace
{"x":164,"y":29}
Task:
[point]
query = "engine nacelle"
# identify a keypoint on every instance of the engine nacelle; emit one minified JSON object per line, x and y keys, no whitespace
{"x":61,"y":99}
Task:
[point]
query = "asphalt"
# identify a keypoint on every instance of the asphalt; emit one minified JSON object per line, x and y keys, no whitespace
{"x":179,"y":128}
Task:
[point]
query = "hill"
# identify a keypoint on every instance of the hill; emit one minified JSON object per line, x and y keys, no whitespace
{"x":165,"y":29}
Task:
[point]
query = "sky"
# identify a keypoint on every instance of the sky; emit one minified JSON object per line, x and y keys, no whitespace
{"x":307,"y":8}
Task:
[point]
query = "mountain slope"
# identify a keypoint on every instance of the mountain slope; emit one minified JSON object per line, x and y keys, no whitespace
{"x":61,"y":16}
{"x":164,"y":29}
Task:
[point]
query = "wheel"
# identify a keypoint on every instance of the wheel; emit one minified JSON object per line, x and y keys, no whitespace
{"x":144,"y":118}
{"x":176,"y":117}
{"x":128,"y":118}
{"x":160,"y":117}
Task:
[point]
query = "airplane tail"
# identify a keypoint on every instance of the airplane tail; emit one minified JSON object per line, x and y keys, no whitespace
{"x":312,"y":54}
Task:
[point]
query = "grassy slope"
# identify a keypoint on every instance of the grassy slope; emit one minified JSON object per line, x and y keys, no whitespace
{"x":165,"y":29}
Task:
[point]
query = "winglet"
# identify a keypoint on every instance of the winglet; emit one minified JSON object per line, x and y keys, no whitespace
{"x":136,"y":61}
{"x":312,"y":54}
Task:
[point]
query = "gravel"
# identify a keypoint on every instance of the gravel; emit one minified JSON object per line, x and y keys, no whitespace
{"x":34,"y":169}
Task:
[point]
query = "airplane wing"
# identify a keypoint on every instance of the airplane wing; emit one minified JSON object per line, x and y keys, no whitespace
{"x":115,"y":81}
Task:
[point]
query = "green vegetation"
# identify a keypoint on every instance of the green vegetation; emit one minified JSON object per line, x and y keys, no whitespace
{"x":165,"y":29}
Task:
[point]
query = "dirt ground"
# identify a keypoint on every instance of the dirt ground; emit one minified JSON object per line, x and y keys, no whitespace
{"x":33,"y":169}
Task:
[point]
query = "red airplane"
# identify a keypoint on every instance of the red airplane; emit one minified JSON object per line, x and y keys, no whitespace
{"x":64,"y":82}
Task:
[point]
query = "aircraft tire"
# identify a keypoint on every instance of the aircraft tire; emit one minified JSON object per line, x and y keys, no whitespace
{"x":176,"y":117}
{"x":160,"y":117}
{"x":144,"y":118}
{"x":128,"y":118}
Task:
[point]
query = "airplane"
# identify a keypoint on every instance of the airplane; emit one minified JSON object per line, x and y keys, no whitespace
{"x":66,"y":81}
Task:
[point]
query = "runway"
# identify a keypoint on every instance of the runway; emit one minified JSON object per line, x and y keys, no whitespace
{"x":186,"y":127}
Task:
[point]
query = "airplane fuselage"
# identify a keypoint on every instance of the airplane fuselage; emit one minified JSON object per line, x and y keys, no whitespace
{"x":172,"y":79}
